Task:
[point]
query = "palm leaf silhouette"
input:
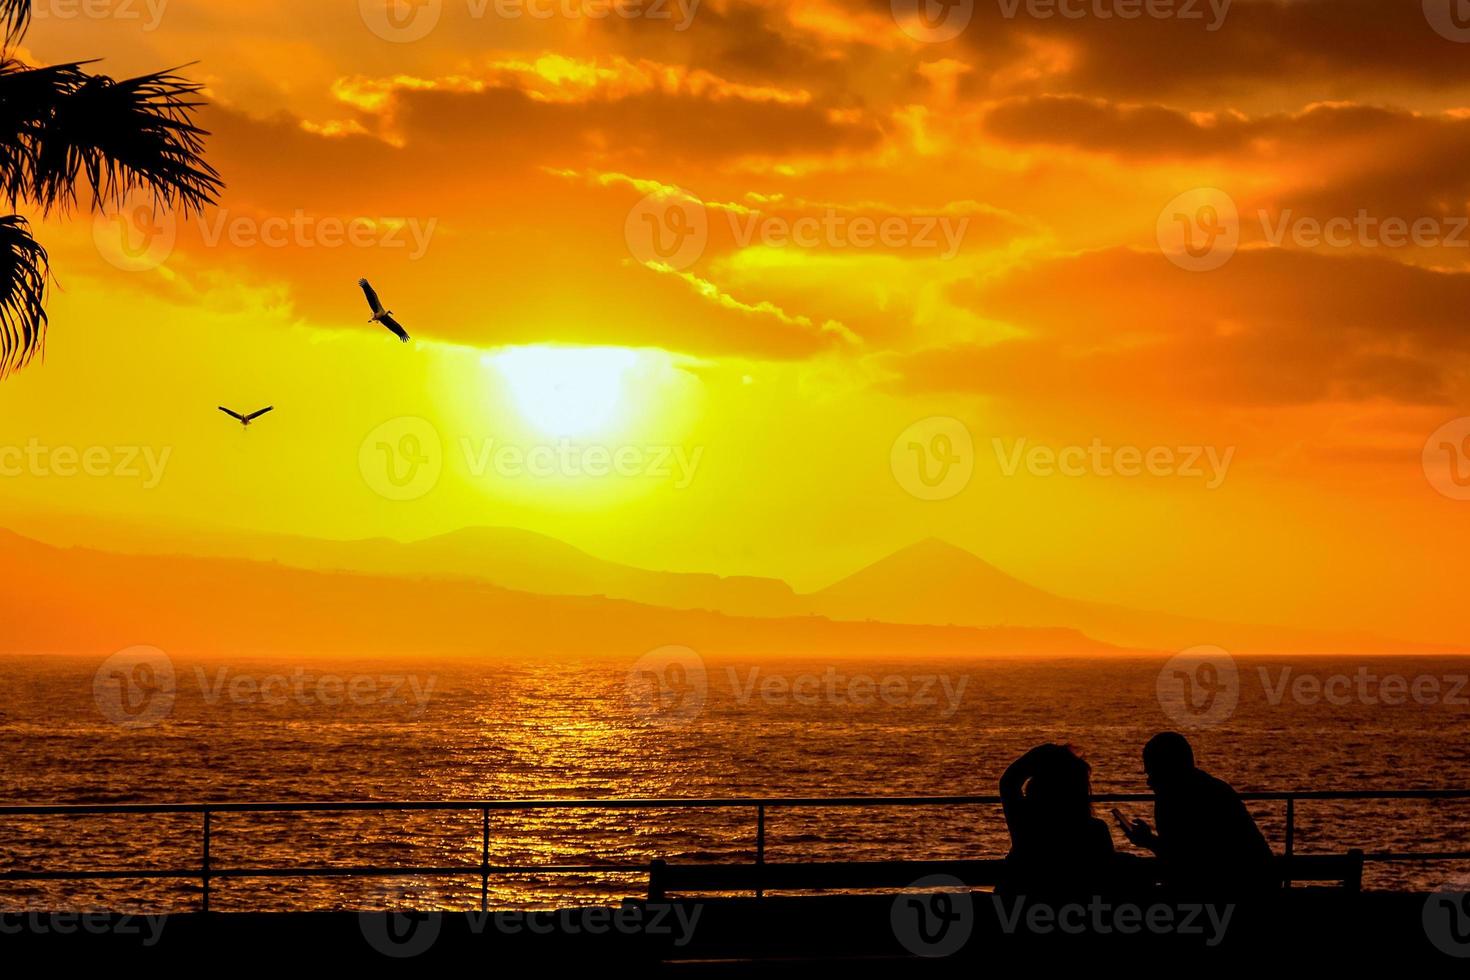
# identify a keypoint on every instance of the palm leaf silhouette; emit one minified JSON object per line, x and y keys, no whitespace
{"x":65,"y":130}
{"x":23,"y":274}
{"x":15,"y":16}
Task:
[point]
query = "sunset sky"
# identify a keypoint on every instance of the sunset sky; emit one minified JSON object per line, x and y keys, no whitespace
{"x":759,"y":247}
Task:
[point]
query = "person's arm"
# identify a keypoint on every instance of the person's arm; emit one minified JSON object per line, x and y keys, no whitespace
{"x":1012,"y":802}
{"x":1014,"y":778}
{"x":1021,"y":770}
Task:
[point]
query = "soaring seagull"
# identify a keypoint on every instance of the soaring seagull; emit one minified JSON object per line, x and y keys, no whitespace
{"x":245,"y":420}
{"x":380,"y":315}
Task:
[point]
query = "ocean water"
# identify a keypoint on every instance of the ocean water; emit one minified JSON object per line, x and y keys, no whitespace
{"x":84,"y":730}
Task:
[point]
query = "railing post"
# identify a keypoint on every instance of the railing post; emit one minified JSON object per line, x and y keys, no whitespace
{"x":204,"y":870}
{"x":485,"y":859}
{"x":1290,"y":835}
{"x":760,"y":849}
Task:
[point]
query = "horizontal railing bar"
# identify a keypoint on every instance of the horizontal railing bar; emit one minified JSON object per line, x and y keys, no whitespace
{"x":1360,"y":794}
{"x":469,"y":805}
{"x":123,"y":874}
{"x":386,"y":871}
{"x":61,"y":809}
{"x":363,"y":871}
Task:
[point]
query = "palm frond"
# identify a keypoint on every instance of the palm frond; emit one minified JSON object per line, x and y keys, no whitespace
{"x":15,"y":17}
{"x":61,"y":124}
{"x":26,"y":97}
{"x":23,"y":275}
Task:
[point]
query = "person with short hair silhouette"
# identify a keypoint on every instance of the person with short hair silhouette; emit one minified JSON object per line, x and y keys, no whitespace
{"x":1206,"y":840}
{"x":1057,"y":845}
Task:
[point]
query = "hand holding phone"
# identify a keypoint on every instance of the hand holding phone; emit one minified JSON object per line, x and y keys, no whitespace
{"x":1137,"y":831}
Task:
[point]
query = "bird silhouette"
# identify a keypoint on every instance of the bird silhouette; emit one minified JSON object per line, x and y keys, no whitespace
{"x":245,"y":420}
{"x":380,"y":315}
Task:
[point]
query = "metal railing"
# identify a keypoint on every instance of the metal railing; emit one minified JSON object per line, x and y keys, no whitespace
{"x":207,"y":872}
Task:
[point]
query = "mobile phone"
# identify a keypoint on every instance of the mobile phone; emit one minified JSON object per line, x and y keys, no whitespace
{"x":1123,"y":821}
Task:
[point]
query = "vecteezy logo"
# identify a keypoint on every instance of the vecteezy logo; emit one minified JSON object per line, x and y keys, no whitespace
{"x":137,"y":236}
{"x":402,"y":458}
{"x":669,"y":686}
{"x":1447,"y":459}
{"x":932,"y":21}
{"x":407,"y":925}
{"x":1199,"y":687}
{"x":401,"y":21}
{"x":934,"y":458}
{"x":667,"y":228}
{"x":936,"y":923}
{"x":1446,"y":919}
{"x":135,"y":688}
{"x":1449,"y":18}
{"x":1199,"y":230}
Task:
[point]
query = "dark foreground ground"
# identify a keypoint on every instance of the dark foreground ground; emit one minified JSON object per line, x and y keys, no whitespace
{"x":944,"y":933}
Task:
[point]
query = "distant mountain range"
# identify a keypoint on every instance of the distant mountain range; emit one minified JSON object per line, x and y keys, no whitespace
{"x":78,"y":600}
{"x":931,"y":583}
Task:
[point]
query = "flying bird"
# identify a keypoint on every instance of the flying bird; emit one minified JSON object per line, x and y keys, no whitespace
{"x":380,"y":315}
{"x":245,"y":420}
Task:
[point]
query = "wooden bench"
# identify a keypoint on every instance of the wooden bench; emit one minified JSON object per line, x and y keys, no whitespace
{"x":1346,"y":870}
{"x":664,"y":879}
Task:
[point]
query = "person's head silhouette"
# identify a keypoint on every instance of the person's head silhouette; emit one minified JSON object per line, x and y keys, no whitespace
{"x":1060,"y":781}
{"x":1166,"y":758}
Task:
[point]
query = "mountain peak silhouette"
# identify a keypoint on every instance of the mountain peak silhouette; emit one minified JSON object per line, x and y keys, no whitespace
{"x":938,"y":551}
{"x":934,"y":562}
{"x":933,"y":581}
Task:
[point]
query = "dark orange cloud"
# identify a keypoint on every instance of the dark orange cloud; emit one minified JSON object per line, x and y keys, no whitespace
{"x":1396,"y":137}
{"x":1271,"y":327}
{"x":1338,"y":47}
{"x":1325,"y":163}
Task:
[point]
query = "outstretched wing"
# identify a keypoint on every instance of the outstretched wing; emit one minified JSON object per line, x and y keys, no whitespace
{"x":255,"y":415}
{"x":394,"y":326}
{"x":234,"y":415}
{"x":372,"y":297}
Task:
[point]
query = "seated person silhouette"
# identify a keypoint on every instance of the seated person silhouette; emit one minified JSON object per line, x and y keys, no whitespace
{"x":1206,"y":840}
{"x":1057,"y":846}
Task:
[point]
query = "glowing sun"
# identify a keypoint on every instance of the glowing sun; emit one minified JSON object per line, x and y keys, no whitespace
{"x":566,"y":391}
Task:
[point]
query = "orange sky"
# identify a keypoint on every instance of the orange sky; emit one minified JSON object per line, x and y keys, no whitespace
{"x":858,"y":231}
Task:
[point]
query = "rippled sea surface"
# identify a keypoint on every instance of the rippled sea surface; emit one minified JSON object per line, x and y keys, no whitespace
{"x":293,"y":730}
